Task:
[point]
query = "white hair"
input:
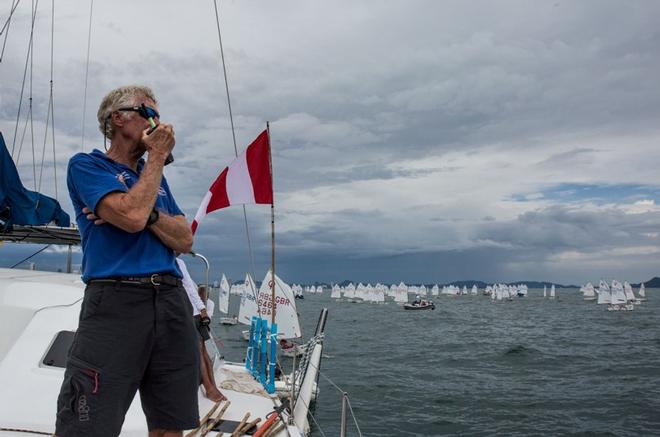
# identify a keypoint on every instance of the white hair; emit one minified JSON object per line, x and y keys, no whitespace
{"x":125,"y":96}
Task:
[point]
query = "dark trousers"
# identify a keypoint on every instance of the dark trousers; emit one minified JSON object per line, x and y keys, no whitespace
{"x":129,"y":338}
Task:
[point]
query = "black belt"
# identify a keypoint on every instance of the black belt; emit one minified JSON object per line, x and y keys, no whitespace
{"x":154,"y":279}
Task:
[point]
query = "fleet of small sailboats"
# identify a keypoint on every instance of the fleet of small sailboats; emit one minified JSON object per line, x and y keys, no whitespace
{"x":617,"y":296}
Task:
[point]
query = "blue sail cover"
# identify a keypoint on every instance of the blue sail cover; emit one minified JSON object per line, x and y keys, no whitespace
{"x":19,"y":206}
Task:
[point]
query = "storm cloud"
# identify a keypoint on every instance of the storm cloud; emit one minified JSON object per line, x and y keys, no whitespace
{"x":412,"y":140}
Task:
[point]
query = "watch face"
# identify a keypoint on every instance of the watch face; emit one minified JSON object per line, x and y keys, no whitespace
{"x":153,"y":217}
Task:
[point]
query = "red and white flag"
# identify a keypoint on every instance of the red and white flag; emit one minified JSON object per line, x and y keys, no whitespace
{"x":247,"y":180}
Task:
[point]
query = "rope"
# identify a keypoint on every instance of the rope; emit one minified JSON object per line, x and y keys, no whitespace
{"x":28,"y":431}
{"x":89,"y":43}
{"x":233,"y":134}
{"x":304,"y":361}
{"x":58,"y":306}
{"x":14,"y":5}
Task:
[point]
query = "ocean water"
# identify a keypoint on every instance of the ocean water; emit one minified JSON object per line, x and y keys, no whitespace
{"x":473,"y":367}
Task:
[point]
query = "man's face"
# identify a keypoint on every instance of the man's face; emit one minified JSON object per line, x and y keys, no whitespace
{"x":134,"y":126}
{"x":139,"y":122}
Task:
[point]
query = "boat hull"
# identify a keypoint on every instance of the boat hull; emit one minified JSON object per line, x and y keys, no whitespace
{"x":228,"y":321}
{"x":411,"y":307}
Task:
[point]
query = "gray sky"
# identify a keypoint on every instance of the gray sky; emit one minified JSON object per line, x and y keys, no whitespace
{"x":412,"y":140}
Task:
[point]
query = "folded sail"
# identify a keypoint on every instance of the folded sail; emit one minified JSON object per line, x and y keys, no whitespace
{"x":20,"y":206}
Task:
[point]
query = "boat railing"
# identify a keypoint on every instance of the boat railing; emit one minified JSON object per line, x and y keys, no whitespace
{"x":346,"y":409}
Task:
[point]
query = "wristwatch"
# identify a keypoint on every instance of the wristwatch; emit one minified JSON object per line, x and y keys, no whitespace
{"x":153,"y":217}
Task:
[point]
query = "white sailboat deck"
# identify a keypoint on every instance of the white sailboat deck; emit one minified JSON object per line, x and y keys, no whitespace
{"x":34,"y":307}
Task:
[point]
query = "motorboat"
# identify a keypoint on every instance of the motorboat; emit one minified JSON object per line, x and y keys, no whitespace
{"x":422,"y":305}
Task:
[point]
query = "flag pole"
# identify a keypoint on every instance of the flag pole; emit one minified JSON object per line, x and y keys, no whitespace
{"x":272,"y":230}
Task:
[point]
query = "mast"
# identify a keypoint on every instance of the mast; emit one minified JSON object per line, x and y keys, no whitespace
{"x":272,"y":229}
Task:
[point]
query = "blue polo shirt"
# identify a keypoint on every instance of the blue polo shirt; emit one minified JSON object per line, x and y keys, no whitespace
{"x":107,"y":250}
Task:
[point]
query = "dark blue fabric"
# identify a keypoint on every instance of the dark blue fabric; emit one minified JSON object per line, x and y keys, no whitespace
{"x":107,"y":250}
{"x":20,"y":206}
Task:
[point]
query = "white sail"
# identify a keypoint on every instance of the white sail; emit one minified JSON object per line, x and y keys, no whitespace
{"x":588,"y":290}
{"x":474,"y":290}
{"x":401,"y":296}
{"x":642,"y":291}
{"x":552,"y":291}
{"x":604,"y":294}
{"x":248,"y":306}
{"x":223,"y":297}
{"x":349,"y":292}
{"x":336,"y":292}
{"x":545,"y":291}
{"x":618,"y":294}
{"x":286,"y":316}
{"x":630,"y":295}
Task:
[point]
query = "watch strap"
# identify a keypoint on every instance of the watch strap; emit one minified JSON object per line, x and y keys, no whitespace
{"x":153,"y":217}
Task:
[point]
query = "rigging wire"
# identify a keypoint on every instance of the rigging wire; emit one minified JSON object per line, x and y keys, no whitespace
{"x":31,"y":112}
{"x":50,"y":107}
{"x":52,"y":99}
{"x":318,"y":426}
{"x":20,"y":100}
{"x":14,"y":5}
{"x":89,"y":43}
{"x":233,"y":133}
{"x":303,"y":370}
{"x":35,"y":253}
{"x":20,"y":148}
{"x":348,"y":401}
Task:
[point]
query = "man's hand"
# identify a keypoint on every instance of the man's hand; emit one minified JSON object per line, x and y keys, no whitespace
{"x":161,"y":141}
{"x":204,"y":321}
{"x":204,"y":315}
{"x":92,"y":217}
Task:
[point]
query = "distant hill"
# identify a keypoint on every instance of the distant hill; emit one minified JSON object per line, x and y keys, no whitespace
{"x":480,"y":284}
{"x":651,"y":283}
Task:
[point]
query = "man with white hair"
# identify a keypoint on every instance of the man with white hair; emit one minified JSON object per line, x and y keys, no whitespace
{"x":135,"y":330}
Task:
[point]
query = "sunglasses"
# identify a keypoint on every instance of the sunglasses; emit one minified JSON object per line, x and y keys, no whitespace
{"x":143,"y":111}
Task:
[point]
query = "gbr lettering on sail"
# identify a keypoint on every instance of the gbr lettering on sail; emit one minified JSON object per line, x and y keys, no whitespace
{"x":286,"y":315}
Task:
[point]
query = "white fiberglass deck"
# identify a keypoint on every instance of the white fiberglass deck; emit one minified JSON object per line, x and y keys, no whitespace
{"x":34,"y":307}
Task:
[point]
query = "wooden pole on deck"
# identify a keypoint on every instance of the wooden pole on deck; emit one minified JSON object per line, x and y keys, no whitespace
{"x":272,"y":231}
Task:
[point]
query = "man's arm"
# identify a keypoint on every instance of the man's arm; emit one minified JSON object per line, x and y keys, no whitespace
{"x":173,"y":231}
{"x":130,"y":211}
